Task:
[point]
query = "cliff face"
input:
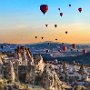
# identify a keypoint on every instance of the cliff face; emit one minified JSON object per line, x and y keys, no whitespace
{"x":35,"y":72}
{"x":50,"y":79}
{"x":40,"y":73}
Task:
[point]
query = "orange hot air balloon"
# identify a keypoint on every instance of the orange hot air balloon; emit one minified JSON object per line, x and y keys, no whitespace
{"x":80,"y":10}
{"x":61,"y":14}
{"x":64,"y":48}
{"x":44,"y":8}
{"x":84,"y":51}
{"x":74,"y":46}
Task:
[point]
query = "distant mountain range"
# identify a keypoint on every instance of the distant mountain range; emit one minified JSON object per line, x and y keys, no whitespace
{"x":41,"y":47}
{"x":54,"y":51}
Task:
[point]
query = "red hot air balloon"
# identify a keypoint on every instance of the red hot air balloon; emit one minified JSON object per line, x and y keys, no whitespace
{"x":64,"y":48}
{"x":80,"y":10}
{"x":61,"y":14}
{"x":44,"y":8}
{"x":84,"y":51}
{"x":74,"y":46}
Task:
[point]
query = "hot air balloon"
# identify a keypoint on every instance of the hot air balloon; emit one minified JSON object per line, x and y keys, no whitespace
{"x":74,"y":46}
{"x":84,"y":51}
{"x":46,"y":25}
{"x":62,"y":43}
{"x":80,"y":10}
{"x":71,"y":49}
{"x":44,"y":8}
{"x":59,"y":9}
{"x":35,"y":36}
{"x":64,"y":48}
{"x":77,"y":50}
{"x":66,"y":32}
{"x":59,"y":51}
{"x":61,"y":14}
{"x":69,"y":5}
{"x":55,"y":25}
{"x":42,"y":37}
{"x":47,"y":51}
{"x":56,"y":39}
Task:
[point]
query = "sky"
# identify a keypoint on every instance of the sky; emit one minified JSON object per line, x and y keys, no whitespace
{"x":22,"y":20}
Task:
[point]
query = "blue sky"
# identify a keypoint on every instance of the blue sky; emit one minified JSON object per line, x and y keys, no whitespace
{"x":25,"y":15}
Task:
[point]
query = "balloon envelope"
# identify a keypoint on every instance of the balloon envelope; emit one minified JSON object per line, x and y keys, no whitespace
{"x":84,"y":51}
{"x":59,"y":9}
{"x":44,"y":8}
{"x":56,"y":39}
{"x":46,"y":25}
{"x":47,"y":51}
{"x":66,"y":32}
{"x":69,"y":5}
{"x":64,"y":48}
{"x":61,"y":14}
{"x":42,"y":37}
{"x":35,"y":36}
{"x":55,"y":25}
{"x":74,"y":46}
{"x":80,"y":10}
